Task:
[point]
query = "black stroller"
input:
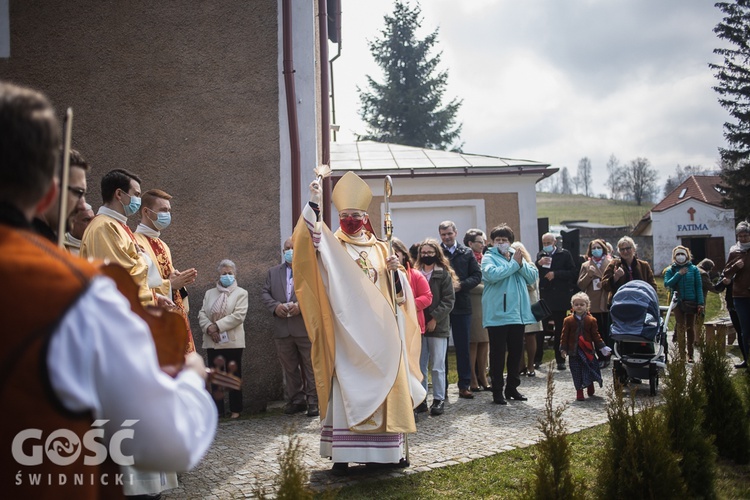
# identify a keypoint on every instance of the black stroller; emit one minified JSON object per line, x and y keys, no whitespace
{"x":639,"y":334}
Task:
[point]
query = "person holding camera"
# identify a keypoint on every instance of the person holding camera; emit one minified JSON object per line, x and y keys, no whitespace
{"x":735,"y":270}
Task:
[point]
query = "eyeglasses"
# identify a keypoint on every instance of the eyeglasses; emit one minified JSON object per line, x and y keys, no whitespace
{"x":625,"y":249}
{"x":355,"y":215}
{"x":77,"y":192}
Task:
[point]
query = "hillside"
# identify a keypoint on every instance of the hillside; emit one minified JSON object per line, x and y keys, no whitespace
{"x":559,"y":207}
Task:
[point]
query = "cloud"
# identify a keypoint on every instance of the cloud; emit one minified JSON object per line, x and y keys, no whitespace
{"x":554,"y":80}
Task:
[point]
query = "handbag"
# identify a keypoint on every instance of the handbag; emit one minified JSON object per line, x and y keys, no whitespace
{"x":688,"y":306}
{"x":540,"y":310}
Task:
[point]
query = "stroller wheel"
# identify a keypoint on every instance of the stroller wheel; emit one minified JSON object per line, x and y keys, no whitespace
{"x":653,"y":379}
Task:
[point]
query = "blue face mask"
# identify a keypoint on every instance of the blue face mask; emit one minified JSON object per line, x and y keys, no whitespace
{"x":163,"y":219}
{"x":288,"y":255}
{"x":597,"y":252}
{"x":133,"y":206}
{"x":226,"y":279}
{"x":548,"y":248}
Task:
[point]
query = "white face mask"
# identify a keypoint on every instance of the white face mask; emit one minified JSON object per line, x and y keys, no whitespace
{"x":680,"y":259}
{"x":503,"y":247}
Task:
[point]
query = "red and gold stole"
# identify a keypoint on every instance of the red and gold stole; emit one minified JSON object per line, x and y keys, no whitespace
{"x":165,"y":267}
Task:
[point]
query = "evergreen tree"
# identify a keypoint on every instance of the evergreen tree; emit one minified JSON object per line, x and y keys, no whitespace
{"x":725,"y":416}
{"x":553,"y":477}
{"x":684,"y":400}
{"x":734,"y":95}
{"x":407,"y":107}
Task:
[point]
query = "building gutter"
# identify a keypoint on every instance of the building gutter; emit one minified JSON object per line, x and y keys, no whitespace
{"x":291,"y":107}
{"x":325,"y":104}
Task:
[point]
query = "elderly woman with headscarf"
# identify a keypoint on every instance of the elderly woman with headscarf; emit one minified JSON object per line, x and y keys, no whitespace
{"x":222,"y":320}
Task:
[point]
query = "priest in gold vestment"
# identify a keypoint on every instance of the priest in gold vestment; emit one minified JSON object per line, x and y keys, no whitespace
{"x":365,"y":353}
{"x":156,"y":215}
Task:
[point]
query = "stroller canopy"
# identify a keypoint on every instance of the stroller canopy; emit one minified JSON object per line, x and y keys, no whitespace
{"x":635,"y":311}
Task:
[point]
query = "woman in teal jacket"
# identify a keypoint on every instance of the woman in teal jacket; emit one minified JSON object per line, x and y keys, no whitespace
{"x":506,"y":308}
{"x":685,"y":278}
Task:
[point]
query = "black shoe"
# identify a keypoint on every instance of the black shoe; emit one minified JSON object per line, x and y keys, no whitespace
{"x":422,"y":408}
{"x":741,"y":365}
{"x":516,"y":396}
{"x":522,"y":372}
{"x":635,"y":380}
{"x":313,"y":410}
{"x":292,"y":408}
{"x":499,"y":400}
{"x":474,"y":389}
{"x":561,"y":366}
{"x":537,"y":366}
{"x":438,"y":407}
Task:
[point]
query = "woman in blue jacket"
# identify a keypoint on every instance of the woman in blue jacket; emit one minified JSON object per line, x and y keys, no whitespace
{"x":684,"y":278}
{"x":506,"y":308}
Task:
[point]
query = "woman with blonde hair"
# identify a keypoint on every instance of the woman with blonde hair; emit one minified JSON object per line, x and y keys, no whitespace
{"x":433,"y":265}
{"x":627,"y":268}
{"x":530,"y":331}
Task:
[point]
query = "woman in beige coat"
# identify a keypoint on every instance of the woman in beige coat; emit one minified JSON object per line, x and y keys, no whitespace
{"x":590,"y":282}
{"x":221,"y":319}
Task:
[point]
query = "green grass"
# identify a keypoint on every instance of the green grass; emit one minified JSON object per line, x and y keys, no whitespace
{"x":506,"y":475}
{"x":559,"y":207}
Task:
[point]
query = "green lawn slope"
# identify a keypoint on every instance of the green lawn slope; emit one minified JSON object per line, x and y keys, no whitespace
{"x":560,"y":207}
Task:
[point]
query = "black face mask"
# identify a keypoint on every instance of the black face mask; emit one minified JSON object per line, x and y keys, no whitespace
{"x":428,"y":260}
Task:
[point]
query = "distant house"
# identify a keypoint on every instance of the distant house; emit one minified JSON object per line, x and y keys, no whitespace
{"x":429,"y":186}
{"x":693,"y":216}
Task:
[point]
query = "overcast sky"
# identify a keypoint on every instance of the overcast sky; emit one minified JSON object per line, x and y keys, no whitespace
{"x":557,"y":80}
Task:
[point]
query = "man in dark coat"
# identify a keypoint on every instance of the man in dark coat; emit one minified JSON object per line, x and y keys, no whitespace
{"x":467,"y":269}
{"x":558,"y":276}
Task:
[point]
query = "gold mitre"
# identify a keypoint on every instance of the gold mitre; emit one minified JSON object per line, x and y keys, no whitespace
{"x":351,"y":192}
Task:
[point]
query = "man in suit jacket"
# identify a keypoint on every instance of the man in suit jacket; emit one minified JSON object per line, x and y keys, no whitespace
{"x":289,"y":333}
{"x":469,"y":274}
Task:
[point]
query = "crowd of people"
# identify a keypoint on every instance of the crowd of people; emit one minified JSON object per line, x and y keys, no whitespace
{"x":362,"y":326}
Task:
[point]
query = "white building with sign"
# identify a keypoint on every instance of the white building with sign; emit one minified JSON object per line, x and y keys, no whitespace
{"x":693,"y":216}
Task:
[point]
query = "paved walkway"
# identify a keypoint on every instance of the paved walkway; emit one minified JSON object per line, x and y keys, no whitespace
{"x":245,"y":452}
